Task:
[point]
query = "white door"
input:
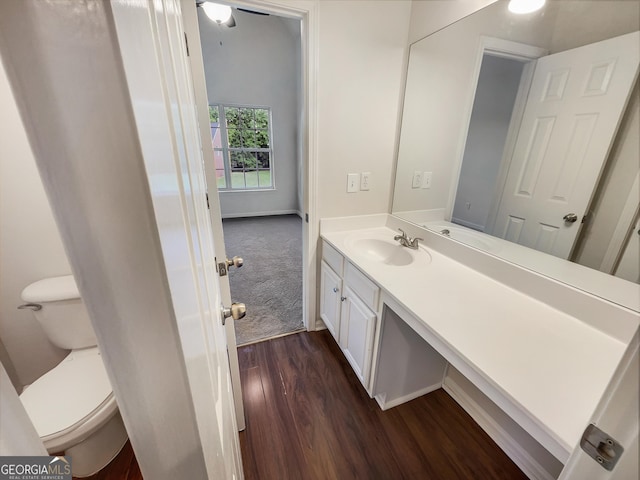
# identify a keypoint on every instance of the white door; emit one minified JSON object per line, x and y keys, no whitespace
{"x":572,"y":113}
{"x":190,"y":19}
{"x":330,"y":293}
{"x":357,"y":326}
{"x":161,"y":88}
{"x":617,"y":416}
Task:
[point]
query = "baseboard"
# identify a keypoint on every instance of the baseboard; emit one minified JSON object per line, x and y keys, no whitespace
{"x":529,"y":465}
{"x":384,"y":405}
{"x":261,"y":214}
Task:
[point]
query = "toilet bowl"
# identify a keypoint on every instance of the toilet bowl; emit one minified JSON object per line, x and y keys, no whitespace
{"x":72,"y":406}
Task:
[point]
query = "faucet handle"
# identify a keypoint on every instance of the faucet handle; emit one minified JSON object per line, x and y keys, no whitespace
{"x":403,"y":232}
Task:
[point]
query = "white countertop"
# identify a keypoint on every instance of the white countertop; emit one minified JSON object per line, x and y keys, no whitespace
{"x":550,"y":365}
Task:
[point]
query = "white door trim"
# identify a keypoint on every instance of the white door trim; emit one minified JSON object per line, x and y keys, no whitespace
{"x":620,"y":234}
{"x":499,"y":48}
{"x":307,"y":12}
{"x":190,"y":23}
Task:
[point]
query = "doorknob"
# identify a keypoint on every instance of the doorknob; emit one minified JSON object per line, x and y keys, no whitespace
{"x":235,"y":262}
{"x":570,"y":218}
{"x":237,"y":311}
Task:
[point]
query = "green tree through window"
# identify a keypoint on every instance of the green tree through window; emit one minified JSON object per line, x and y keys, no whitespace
{"x":243,"y":153}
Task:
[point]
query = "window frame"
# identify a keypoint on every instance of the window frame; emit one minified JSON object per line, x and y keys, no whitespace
{"x":226,"y":150}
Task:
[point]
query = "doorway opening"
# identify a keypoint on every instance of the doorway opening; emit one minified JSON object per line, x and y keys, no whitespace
{"x":253,"y":74}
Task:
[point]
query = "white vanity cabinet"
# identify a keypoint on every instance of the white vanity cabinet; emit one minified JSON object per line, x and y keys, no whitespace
{"x":330,"y":293}
{"x":348,"y":307}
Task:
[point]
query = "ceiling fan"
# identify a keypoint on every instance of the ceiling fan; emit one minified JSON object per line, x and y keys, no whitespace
{"x":222,"y":14}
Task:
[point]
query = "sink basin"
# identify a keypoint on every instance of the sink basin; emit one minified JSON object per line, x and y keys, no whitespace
{"x":386,"y":251}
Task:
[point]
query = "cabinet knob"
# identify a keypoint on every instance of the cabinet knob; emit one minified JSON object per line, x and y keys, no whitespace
{"x":335,"y":289}
{"x":342,"y":299}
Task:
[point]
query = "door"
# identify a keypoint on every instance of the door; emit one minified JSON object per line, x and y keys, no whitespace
{"x":572,"y":113}
{"x":153,"y":41}
{"x":617,"y":416}
{"x":190,"y":19}
{"x":330,"y":293}
{"x":357,"y":325}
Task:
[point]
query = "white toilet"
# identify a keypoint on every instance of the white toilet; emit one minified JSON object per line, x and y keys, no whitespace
{"x":72,"y":406}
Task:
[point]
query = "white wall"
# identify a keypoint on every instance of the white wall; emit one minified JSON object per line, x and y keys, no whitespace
{"x":258,"y":63}
{"x":429,"y":17}
{"x":362,"y":53}
{"x":495,"y":96}
{"x":30,"y":245}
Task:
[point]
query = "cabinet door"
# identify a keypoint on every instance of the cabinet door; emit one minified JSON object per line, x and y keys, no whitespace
{"x":357,"y":326}
{"x":330,"y":292}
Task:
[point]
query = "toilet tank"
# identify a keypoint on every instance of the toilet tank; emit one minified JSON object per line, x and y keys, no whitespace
{"x":63,"y":316}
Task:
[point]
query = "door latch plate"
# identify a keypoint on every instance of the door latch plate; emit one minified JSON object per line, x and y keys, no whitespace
{"x":222,"y":269}
{"x":601,"y":447}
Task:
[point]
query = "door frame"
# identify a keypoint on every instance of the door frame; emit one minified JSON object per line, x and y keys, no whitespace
{"x":506,"y":49}
{"x":625,"y":222}
{"x":307,"y":12}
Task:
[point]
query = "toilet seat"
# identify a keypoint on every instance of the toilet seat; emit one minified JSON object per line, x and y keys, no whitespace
{"x":71,"y":401}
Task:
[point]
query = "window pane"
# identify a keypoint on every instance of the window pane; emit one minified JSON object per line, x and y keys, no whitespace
{"x":237,"y":160}
{"x":248,"y":138}
{"x":262,"y":118}
{"x":250,"y":161}
{"x":220,"y":180}
{"x":262,"y":138}
{"x":214,"y":114}
{"x":234,"y":138}
{"x":218,"y":160}
{"x":251,"y":179}
{"x":263,"y":160}
{"x":233,"y":117}
{"x":264,"y":177}
{"x":247,"y":118}
{"x":237,"y":180}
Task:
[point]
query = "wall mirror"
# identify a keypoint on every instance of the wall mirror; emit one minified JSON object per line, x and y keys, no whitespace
{"x":520,"y":135}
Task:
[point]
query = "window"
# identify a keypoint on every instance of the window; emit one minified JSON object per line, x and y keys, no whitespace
{"x":242,"y":150}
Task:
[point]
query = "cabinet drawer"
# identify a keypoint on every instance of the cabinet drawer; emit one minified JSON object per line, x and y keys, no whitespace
{"x":333,"y":258}
{"x":368,"y":291}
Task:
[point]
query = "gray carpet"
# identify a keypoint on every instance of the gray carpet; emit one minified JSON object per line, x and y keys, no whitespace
{"x":270,"y":282}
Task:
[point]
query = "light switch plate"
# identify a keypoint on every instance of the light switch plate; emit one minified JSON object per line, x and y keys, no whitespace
{"x":417,"y":180}
{"x":426,"y":179}
{"x":353,"y":182}
{"x":365,"y":178}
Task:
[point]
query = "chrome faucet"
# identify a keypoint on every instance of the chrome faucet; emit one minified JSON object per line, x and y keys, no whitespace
{"x":407,"y":241}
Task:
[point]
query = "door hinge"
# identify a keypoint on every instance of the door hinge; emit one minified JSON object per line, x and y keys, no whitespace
{"x":186,"y":43}
{"x":600,"y":446}
{"x":207,"y":196}
{"x":221,"y":267}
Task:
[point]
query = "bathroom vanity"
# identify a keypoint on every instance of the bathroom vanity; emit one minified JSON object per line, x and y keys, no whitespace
{"x":542,"y":351}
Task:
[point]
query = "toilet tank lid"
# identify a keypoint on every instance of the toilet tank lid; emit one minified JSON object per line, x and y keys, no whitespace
{"x":51,"y":290}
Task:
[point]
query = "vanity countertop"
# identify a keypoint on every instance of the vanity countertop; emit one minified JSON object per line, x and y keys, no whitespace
{"x":551,"y":365}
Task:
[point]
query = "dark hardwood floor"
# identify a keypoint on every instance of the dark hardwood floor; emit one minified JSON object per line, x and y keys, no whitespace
{"x":308,"y":417}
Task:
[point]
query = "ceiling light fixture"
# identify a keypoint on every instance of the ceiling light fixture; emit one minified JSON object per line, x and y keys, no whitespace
{"x":216,"y":12}
{"x":525,"y":6}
